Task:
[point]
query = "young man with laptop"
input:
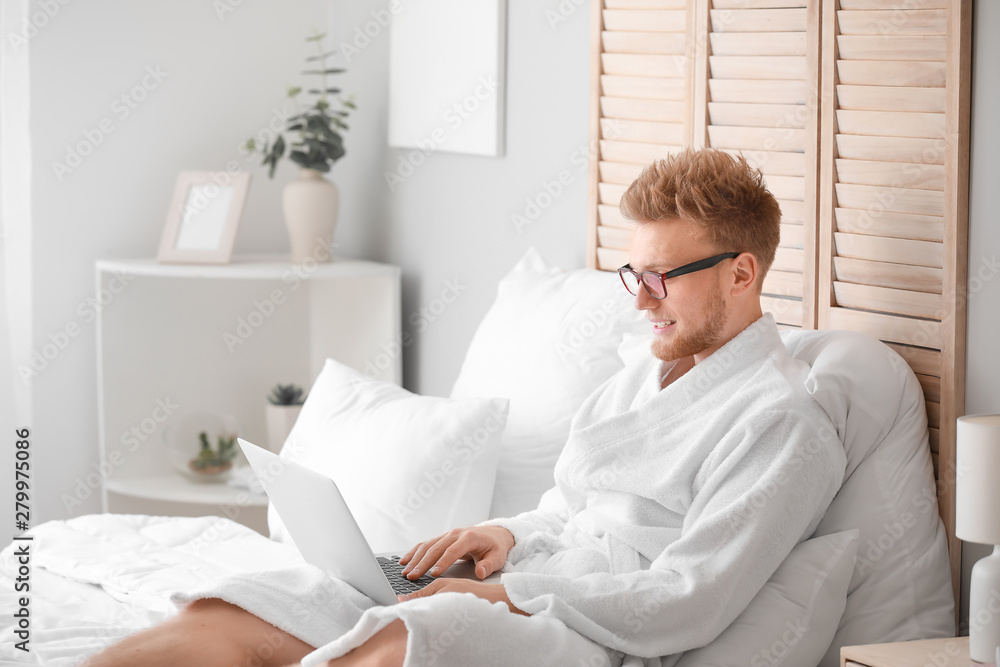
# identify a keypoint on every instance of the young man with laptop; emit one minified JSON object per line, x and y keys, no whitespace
{"x":685,"y":481}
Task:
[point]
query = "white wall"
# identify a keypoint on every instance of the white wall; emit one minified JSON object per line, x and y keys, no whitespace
{"x":223,"y":78}
{"x":983,"y":369}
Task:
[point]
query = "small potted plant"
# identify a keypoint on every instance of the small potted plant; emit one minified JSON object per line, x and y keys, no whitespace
{"x":310,"y":202}
{"x":284,"y":404}
{"x":213,"y":464}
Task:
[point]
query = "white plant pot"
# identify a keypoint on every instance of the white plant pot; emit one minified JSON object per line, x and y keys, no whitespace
{"x":280,"y":419}
{"x":310,"y":204}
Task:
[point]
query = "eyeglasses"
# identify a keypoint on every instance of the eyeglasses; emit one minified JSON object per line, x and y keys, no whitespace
{"x":655,"y":282}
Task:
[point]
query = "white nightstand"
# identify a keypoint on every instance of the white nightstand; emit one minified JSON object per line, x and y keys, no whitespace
{"x":950,"y":652}
{"x":215,"y":338}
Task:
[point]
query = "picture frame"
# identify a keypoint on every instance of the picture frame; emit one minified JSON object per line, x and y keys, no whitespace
{"x":203,"y":217}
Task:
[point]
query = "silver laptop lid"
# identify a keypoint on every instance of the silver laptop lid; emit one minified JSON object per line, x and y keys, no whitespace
{"x":319,"y":522}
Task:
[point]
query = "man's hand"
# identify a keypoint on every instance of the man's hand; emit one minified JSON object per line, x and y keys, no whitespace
{"x":487,"y":546}
{"x":491,"y":592}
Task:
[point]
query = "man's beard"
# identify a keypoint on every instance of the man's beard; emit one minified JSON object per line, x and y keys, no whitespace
{"x":687,"y":344}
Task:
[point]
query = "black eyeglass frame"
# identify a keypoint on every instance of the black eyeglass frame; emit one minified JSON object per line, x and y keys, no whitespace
{"x":700,"y":265}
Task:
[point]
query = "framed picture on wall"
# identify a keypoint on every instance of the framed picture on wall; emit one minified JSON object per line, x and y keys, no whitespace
{"x":446,"y":77}
{"x":203,"y":216}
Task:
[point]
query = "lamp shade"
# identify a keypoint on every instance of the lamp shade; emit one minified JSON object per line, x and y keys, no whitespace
{"x":977,"y":501}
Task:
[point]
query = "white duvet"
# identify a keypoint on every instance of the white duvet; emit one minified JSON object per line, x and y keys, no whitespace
{"x":98,"y":578}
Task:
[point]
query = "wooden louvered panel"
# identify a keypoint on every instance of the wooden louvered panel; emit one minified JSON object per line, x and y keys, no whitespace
{"x":889,"y":149}
{"x":757,"y":77}
{"x":748,"y":43}
{"x":886,"y":274}
{"x":886,"y":300}
{"x":638,"y":20}
{"x":891,"y":124}
{"x":640,"y":107}
{"x":881,"y":249}
{"x":644,"y":42}
{"x":792,"y":236}
{"x":759,"y":115}
{"x":893,"y":4}
{"x":920,"y":359}
{"x":619,"y":173}
{"x":758,"y":20}
{"x":889,"y":73}
{"x":643,"y":87}
{"x":917,"y":22}
{"x":783,"y":283}
{"x":651,"y":110}
{"x":785,"y":310}
{"x":891,"y":174}
{"x":631,"y":64}
{"x":893,"y":141}
{"x":898,"y":200}
{"x":610,"y":215}
{"x":634,"y":153}
{"x":752,"y":91}
{"x":758,"y":67}
{"x":645,"y":4}
{"x":897,"y":225}
{"x":872,"y":47}
{"x":647,"y":132}
{"x":773,"y":163}
{"x":897,"y":251}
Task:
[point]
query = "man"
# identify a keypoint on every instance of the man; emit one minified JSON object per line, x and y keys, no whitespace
{"x":684,"y":483}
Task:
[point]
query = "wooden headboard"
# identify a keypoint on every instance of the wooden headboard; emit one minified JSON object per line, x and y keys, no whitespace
{"x":857,"y":113}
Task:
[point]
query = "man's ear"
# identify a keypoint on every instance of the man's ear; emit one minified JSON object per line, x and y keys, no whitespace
{"x":745,"y":272}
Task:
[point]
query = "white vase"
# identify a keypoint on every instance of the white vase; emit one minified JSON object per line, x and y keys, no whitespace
{"x":280,"y":419}
{"x":310,"y":204}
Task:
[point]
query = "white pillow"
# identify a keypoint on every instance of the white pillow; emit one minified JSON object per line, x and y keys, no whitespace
{"x":901,"y":588}
{"x":410,"y":467}
{"x":793,"y":618}
{"x":548,"y":342}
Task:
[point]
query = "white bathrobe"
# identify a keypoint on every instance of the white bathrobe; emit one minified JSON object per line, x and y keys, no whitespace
{"x":671,"y":510}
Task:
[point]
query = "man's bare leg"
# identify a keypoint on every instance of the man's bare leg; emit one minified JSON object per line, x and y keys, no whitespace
{"x":206,"y":633}
{"x":386,"y":648}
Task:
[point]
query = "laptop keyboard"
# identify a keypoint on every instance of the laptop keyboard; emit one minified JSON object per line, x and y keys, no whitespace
{"x":394,"y":573}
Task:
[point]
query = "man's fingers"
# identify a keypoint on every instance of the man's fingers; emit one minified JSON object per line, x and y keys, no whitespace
{"x":433,"y":555}
{"x":429,"y":589}
{"x":457,"y":550}
{"x":418,"y":553}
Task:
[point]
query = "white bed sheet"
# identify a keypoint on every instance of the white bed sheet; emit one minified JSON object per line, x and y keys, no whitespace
{"x":98,"y":578}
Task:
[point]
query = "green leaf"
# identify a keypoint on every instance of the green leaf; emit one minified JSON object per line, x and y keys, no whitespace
{"x":316,"y":37}
{"x":334,"y":70}
{"x":294,"y":90}
{"x":322,"y":56}
{"x":317,"y":91}
{"x":349,"y":103}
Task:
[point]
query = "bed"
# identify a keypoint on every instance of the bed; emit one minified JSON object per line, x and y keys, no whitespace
{"x":836,"y":289}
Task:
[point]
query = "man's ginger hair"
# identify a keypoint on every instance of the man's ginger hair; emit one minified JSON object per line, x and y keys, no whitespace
{"x":723,"y":195}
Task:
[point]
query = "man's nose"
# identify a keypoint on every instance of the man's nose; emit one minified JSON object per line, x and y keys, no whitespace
{"x":644,"y":300}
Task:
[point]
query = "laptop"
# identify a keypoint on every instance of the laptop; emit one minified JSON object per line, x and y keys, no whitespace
{"x":327,"y":535}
